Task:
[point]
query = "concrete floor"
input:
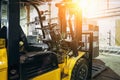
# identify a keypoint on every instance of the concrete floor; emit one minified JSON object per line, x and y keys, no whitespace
{"x":112,"y":61}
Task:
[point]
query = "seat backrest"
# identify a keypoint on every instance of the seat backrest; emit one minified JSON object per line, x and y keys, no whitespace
{"x":3,"y":32}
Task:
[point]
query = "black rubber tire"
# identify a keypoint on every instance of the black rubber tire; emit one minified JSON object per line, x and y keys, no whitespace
{"x":80,"y":70}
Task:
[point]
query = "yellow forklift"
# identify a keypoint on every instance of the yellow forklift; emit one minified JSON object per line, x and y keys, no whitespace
{"x":64,"y":58}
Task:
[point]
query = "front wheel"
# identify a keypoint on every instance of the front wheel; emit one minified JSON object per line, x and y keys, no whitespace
{"x":80,"y":70}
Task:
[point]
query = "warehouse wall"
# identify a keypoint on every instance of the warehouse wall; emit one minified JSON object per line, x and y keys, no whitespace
{"x":106,"y":32}
{"x":107,"y":15}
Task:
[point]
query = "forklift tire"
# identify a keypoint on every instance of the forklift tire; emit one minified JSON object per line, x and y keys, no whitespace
{"x":80,"y":70}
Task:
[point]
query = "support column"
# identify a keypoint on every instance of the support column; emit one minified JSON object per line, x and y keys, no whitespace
{"x":13,"y":40}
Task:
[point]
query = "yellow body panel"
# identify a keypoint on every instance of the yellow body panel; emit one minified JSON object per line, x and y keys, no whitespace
{"x":67,"y":67}
{"x":52,"y":75}
{"x":66,"y":78}
{"x":71,"y":63}
{"x":2,"y":43}
{"x":3,"y":64}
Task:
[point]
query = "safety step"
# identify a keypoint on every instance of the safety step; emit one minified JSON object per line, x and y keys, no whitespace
{"x":97,"y":69}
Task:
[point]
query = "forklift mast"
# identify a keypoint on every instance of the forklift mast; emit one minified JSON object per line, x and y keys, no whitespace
{"x":76,"y":30}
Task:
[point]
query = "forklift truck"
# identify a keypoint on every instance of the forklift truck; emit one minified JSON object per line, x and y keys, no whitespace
{"x":63,"y":59}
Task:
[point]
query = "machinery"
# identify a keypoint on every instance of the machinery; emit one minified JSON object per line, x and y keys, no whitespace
{"x":64,"y":56}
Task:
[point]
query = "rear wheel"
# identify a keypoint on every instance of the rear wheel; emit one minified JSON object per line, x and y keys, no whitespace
{"x":80,"y":70}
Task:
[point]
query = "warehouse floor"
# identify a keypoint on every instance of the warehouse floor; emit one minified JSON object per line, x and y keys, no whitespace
{"x":112,"y":71}
{"x":111,"y":60}
{"x":107,"y":74}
